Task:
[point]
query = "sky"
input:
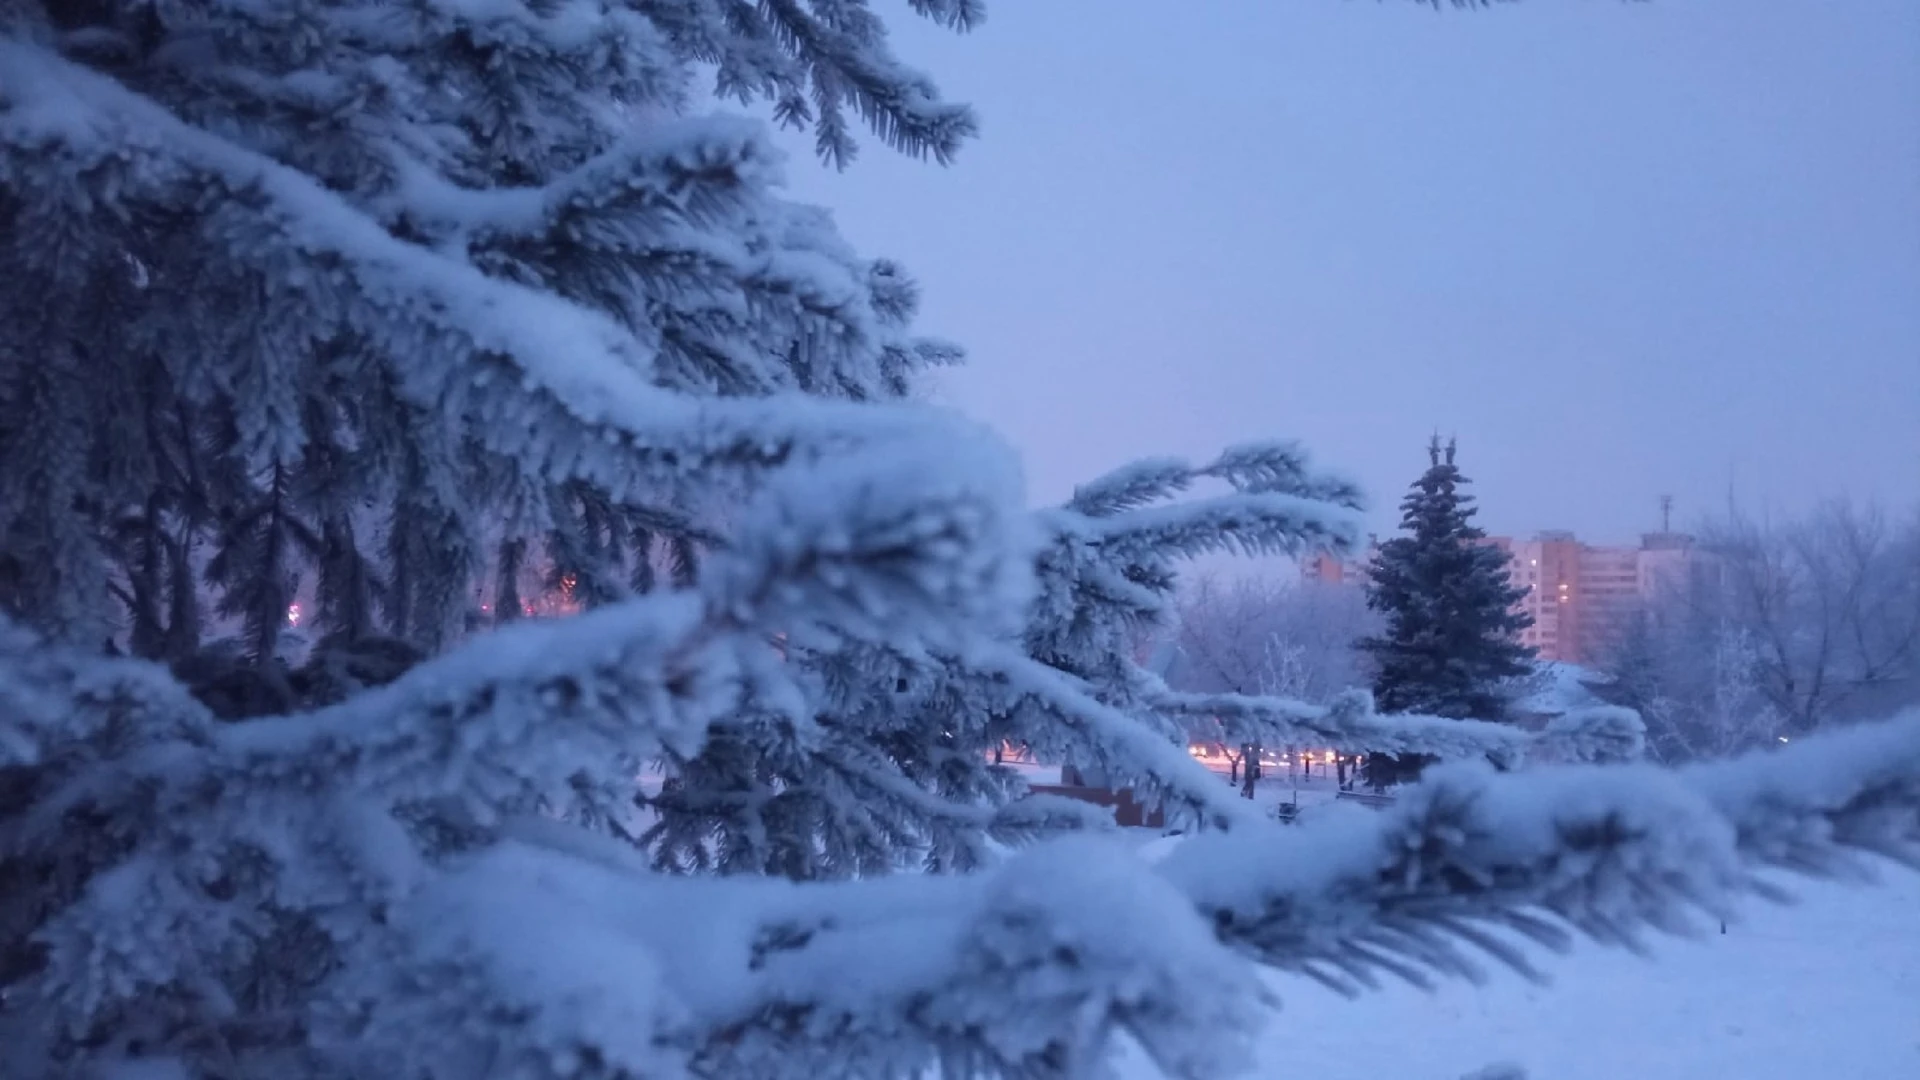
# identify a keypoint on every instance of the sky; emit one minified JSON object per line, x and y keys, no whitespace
{"x":1619,"y":250}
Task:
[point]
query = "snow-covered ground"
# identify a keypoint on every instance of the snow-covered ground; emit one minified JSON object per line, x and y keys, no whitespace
{"x":1826,"y":990}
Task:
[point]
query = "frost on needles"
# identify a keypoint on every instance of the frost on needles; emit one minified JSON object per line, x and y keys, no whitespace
{"x":378,"y":300}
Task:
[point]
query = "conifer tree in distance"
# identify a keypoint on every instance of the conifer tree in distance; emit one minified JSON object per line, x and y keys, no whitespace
{"x":1452,"y":629}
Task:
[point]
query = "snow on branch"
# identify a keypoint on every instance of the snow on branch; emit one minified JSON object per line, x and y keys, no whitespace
{"x":1036,"y":968}
{"x":561,"y":390}
{"x":1136,"y":484}
{"x":677,"y":169}
{"x":1107,"y":576}
{"x":62,"y":709}
{"x":902,"y":106}
{"x":1348,"y":725}
{"x":660,"y":214}
{"x":1250,"y":523}
{"x":1281,"y":466}
{"x":1031,"y":970}
{"x":870,"y":550}
{"x":1027,"y":971}
{"x":1611,"y":852}
{"x":919,"y":544}
{"x":305,"y":817}
{"x":1280,"y":505}
{"x":1074,"y":725}
{"x":955,"y":14}
{"x":1601,"y":733}
{"x":1246,"y":523}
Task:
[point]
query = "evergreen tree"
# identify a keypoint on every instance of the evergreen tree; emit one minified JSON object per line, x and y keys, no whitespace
{"x":1451,"y":641}
{"x":358,"y":302}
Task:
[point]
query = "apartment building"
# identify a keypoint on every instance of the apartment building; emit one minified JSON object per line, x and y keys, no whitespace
{"x":1583,"y":597}
{"x":1546,"y":568}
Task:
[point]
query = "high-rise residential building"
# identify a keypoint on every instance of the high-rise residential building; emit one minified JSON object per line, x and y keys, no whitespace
{"x":1547,"y":568}
{"x":1582,"y":597}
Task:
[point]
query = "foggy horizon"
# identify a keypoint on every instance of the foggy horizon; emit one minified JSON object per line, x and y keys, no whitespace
{"x":1619,"y":251}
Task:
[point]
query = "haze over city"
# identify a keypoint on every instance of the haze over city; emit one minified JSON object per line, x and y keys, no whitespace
{"x":1619,"y":250}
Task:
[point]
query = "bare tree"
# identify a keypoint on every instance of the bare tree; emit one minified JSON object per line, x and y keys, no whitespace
{"x":1782,"y":628}
{"x":1831,"y":604}
{"x":1713,"y":704}
{"x":1267,"y":638}
{"x":1257,"y":636}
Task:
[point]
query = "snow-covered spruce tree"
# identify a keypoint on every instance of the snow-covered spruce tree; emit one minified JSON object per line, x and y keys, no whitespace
{"x":173,"y":887}
{"x":1451,"y":642}
{"x":222,"y":380}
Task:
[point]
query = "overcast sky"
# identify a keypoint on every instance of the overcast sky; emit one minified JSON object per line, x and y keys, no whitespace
{"x":1618,"y":249}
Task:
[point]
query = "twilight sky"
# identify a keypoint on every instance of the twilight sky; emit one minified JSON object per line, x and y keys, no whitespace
{"x":1617,"y":249}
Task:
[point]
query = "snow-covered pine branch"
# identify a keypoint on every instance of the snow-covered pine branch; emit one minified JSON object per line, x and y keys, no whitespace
{"x":1037,"y":967}
{"x":1138,"y":484}
{"x":62,"y":708}
{"x":1600,"y":733}
{"x":190,"y":891}
{"x":418,"y":276}
{"x":64,"y":714}
{"x":1064,"y":719}
{"x":1244,"y":523}
{"x":1282,"y":466}
{"x":1349,"y":724}
{"x":558,"y":390}
{"x":1113,"y":551}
